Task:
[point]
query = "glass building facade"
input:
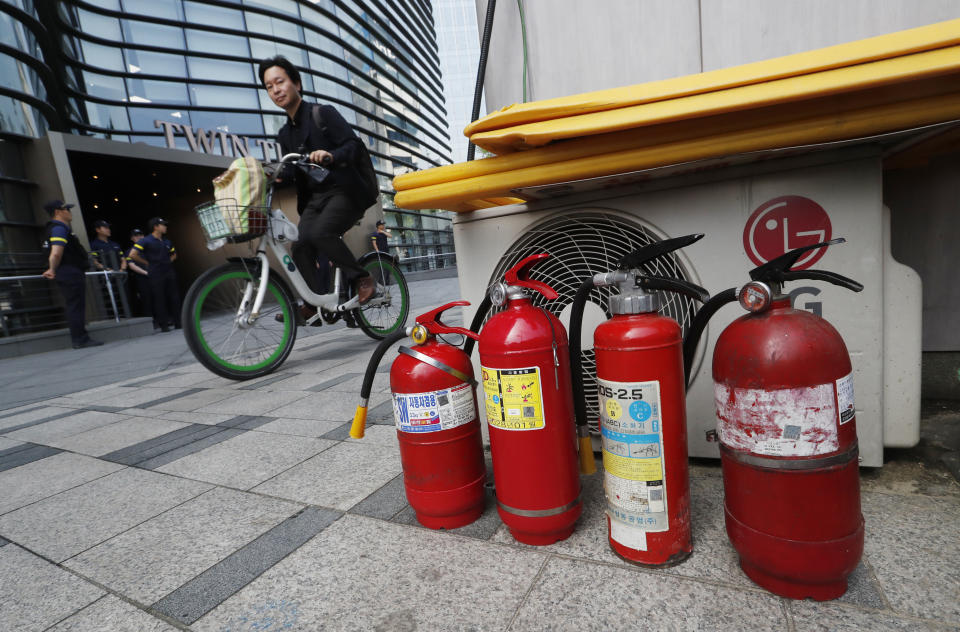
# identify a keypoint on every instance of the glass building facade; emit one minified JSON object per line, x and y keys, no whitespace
{"x":183,"y":74}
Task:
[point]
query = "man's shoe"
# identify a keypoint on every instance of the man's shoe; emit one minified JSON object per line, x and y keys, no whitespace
{"x":89,"y":342}
{"x":165,"y":328}
{"x":364,"y":288}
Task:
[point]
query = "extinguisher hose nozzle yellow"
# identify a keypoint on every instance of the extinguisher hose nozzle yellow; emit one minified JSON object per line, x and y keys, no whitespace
{"x":359,"y":423}
{"x":587,"y":463}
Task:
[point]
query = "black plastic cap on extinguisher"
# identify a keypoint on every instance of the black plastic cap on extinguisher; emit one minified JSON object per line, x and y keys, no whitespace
{"x":777,"y":271}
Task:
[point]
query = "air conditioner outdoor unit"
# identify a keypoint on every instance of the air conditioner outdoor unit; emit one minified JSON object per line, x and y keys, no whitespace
{"x":586,"y":226}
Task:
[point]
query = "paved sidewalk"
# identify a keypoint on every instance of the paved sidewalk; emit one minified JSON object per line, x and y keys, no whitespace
{"x":171,"y":499}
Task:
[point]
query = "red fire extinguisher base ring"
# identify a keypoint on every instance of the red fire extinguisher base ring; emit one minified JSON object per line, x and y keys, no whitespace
{"x":451,"y":508}
{"x":816,"y":570}
{"x":539,"y":533}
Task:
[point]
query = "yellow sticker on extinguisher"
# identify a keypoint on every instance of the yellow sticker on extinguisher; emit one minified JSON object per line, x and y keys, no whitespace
{"x":512,"y":398}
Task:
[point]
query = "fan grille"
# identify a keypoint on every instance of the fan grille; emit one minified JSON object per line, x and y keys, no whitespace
{"x":581,"y":244}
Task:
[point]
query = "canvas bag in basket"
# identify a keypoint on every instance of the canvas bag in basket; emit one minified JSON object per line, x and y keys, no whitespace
{"x":241,"y":186}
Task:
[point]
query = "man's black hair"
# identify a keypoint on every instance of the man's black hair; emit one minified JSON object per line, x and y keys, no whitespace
{"x":284,"y":63}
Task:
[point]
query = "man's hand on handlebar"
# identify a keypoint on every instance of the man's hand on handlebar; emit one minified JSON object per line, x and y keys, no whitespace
{"x":321,"y":157}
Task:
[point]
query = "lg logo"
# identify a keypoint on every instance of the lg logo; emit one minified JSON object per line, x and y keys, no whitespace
{"x":784,"y":223}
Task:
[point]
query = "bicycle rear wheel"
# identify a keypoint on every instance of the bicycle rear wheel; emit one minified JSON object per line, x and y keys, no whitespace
{"x":231,"y":343}
{"x":387,"y":311}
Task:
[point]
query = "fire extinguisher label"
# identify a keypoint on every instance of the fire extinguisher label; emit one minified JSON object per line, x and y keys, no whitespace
{"x":633,"y":480}
{"x":845,"y":405}
{"x":512,"y":398}
{"x":435,"y":410}
{"x":800,"y":421}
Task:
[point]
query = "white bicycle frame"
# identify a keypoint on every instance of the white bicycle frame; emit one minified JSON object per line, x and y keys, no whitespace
{"x":329,"y":302}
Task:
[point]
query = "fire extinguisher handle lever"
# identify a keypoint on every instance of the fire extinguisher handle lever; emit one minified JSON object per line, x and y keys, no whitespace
{"x":674,"y":285}
{"x":650,"y":252}
{"x":823,"y":275}
{"x":778,"y":270}
{"x":519,"y":276}
{"x":431,"y":320}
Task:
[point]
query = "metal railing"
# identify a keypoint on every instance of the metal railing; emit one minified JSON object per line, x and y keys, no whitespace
{"x":30,"y":303}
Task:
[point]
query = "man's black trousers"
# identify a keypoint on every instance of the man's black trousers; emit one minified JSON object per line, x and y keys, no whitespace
{"x":165,"y":297}
{"x":72,"y":284}
{"x":324,"y":220}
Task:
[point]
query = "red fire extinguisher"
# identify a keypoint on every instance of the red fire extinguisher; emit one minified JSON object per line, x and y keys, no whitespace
{"x":788,"y":438}
{"x":524,"y":360}
{"x":643,"y":424}
{"x":435,"y":408}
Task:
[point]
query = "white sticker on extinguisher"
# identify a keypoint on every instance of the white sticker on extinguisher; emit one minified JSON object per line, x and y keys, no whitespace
{"x":632,"y":435}
{"x":798,"y":421}
{"x":845,"y":398}
{"x":434,"y":411}
{"x":630,"y":537}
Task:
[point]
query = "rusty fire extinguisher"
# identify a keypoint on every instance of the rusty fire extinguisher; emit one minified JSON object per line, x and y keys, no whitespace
{"x":524,"y":360}
{"x":641,"y":392}
{"x":438,"y":428}
{"x":783,"y":387}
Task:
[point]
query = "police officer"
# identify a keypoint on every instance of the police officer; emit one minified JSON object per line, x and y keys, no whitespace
{"x":141,"y":281}
{"x":107,"y":254}
{"x":156,"y":252}
{"x":67,"y":262}
{"x":378,"y":238}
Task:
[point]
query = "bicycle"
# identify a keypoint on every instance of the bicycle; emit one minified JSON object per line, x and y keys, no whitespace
{"x":229,"y":312}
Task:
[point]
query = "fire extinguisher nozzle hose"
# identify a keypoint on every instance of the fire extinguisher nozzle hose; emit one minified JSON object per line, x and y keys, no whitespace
{"x":359,"y":423}
{"x":360,"y":419}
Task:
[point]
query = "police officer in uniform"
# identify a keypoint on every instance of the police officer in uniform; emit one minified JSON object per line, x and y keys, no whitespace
{"x":157,"y":253}
{"x":107,"y":254}
{"x":141,"y":281}
{"x":67,"y":262}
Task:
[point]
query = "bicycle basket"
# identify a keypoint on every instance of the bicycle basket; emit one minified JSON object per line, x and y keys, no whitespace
{"x":226,"y":220}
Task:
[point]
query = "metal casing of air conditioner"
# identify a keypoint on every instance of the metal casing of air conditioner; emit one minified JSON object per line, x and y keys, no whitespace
{"x":880,"y":325}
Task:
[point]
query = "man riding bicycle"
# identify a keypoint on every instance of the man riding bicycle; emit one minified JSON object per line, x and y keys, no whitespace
{"x":328,"y":208}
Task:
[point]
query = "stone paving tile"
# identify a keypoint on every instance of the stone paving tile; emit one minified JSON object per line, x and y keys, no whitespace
{"x":35,"y":594}
{"x":909,"y":478}
{"x":911,"y":544}
{"x":122,"y":396}
{"x":68,"y":523}
{"x":300,"y":427}
{"x":578,"y":595}
{"x":212,"y":435}
{"x":9,"y":443}
{"x":155,"y":557}
{"x":207,"y":418}
{"x":209,"y":589}
{"x":328,"y":406}
{"x":265,"y":382}
{"x":810,"y":616}
{"x":31,"y":414}
{"x":30,"y":452}
{"x":254,"y":403}
{"x":330,"y":382}
{"x":115,"y":436}
{"x":357,"y":575}
{"x":113,"y":614}
{"x":40,"y":479}
{"x":339,"y":477}
{"x":188,"y":436}
{"x":247,"y":459}
{"x":66,"y":426}
{"x":194,"y":399}
{"x":384,"y":503}
{"x":379,"y":434}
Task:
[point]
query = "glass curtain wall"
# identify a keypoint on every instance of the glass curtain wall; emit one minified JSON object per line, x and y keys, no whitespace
{"x":114,"y":68}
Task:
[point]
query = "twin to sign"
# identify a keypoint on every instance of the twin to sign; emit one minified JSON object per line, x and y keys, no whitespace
{"x":202,"y":141}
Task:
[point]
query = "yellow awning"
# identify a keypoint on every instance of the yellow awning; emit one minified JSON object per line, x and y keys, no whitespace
{"x":882,"y":84}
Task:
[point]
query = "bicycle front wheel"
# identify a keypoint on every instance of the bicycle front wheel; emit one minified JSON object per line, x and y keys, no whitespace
{"x":387,"y":311}
{"x":221,"y":331}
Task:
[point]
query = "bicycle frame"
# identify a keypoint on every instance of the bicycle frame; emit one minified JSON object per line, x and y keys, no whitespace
{"x":329,"y":302}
